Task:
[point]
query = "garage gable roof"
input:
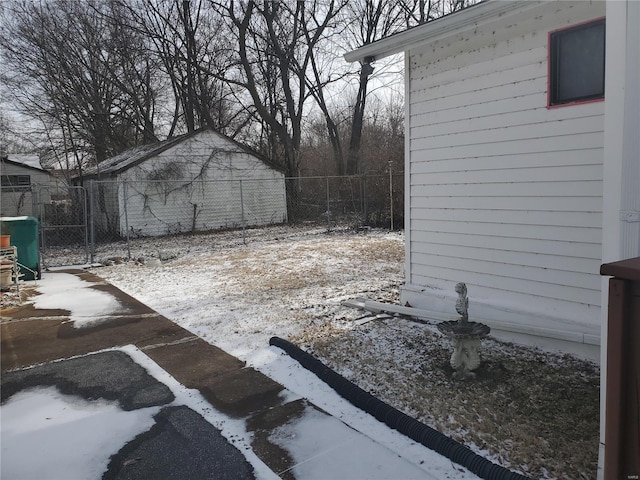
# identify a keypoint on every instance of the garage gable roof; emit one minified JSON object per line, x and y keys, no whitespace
{"x":136,"y":155}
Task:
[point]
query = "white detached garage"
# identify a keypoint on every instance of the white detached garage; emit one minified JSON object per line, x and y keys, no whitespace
{"x":196,"y":182}
{"x":514,"y":163}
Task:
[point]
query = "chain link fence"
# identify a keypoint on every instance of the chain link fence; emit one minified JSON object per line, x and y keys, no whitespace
{"x":348,"y":201}
{"x":104,"y":218}
{"x":157,"y":208}
{"x":63,"y":218}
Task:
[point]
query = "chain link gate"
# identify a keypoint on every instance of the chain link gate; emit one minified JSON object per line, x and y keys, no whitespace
{"x":62,"y":213}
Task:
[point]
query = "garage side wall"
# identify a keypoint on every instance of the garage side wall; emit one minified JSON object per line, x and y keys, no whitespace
{"x":505,"y":194}
{"x":203,"y":183}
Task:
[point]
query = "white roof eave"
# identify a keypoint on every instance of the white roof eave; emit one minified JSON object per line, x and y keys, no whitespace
{"x":471,"y":17}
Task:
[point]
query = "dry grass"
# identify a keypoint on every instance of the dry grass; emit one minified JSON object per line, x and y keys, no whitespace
{"x":11,"y":298}
{"x":532,"y":411}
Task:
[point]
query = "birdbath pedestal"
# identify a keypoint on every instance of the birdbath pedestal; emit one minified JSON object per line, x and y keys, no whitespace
{"x":465,"y":337}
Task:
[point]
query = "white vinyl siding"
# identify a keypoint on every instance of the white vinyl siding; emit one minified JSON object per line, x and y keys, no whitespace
{"x":15,"y":202}
{"x":505,"y":194}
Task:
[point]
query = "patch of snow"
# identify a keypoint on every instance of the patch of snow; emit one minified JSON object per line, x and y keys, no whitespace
{"x":46,"y":434}
{"x":86,"y":305}
{"x":29,"y":159}
{"x":318,"y":456}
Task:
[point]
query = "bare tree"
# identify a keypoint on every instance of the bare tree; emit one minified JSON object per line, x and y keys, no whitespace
{"x":80,"y":75}
{"x":323,"y":73}
{"x":382,"y":138}
{"x":133,"y":72}
{"x":417,"y":12}
{"x":277,"y":44}
{"x":11,"y":139}
{"x":185,"y":38}
{"x":379,"y":19}
{"x":103,"y":75}
{"x":369,"y":21}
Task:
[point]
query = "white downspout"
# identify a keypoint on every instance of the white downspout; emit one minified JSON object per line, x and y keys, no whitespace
{"x":407,"y":167}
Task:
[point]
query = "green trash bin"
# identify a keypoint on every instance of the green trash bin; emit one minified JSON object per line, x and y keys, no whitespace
{"x":24,"y":236}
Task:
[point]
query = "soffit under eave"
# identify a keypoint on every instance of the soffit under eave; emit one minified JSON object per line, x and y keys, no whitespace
{"x":498,"y":13}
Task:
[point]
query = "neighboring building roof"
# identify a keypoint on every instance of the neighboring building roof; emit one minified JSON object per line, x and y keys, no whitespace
{"x":471,"y":17}
{"x":137,"y":155}
{"x":29,"y":161}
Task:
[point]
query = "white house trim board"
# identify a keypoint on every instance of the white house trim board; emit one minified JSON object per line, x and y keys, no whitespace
{"x":621,"y":229}
{"x":407,"y":167}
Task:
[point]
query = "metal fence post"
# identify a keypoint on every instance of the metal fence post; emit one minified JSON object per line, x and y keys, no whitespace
{"x":92,"y":233}
{"x":39,"y":213}
{"x":328,"y":207}
{"x":244,"y":233}
{"x":391,"y":194}
{"x":83,"y":193}
{"x":126,"y":217}
{"x":365,"y":200}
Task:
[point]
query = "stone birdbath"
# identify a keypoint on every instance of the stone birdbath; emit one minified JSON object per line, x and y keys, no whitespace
{"x":465,"y":337}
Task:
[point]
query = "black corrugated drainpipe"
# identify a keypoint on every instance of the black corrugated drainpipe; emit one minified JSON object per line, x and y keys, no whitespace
{"x":397,"y":420}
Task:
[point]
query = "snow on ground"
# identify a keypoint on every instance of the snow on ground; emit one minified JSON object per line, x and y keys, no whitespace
{"x":86,"y":305}
{"x":529,"y":410}
{"x":354,"y":456}
{"x":74,"y":438}
{"x":238,"y":296}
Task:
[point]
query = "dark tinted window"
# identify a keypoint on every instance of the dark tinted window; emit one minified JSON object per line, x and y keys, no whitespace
{"x":16,"y":182}
{"x":577,"y":63}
